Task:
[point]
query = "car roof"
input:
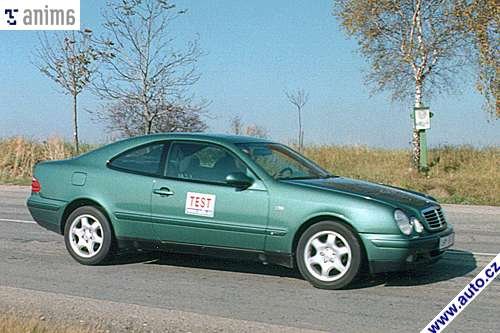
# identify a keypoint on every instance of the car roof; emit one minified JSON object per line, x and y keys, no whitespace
{"x":223,"y":138}
{"x":109,"y":150}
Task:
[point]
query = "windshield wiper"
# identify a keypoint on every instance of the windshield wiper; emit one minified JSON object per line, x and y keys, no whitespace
{"x":325,"y":176}
{"x":328,"y":175}
{"x":295,"y":178}
{"x":300,"y":178}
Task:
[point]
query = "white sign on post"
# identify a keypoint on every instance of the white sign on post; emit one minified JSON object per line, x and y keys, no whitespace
{"x":422,"y":118}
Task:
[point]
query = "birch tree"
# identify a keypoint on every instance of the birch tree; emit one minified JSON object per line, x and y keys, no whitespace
{"x":414,"y":46}
{"x":481,"y":19}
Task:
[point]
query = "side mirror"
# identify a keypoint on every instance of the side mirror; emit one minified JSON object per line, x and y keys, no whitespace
{"x":239,"y":180}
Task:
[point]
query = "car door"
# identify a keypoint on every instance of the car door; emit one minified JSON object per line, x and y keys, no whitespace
{"x":128,"y":184}
{"x":193,"y":204}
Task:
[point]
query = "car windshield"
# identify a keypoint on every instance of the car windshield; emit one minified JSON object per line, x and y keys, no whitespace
{"x":281,"y":162}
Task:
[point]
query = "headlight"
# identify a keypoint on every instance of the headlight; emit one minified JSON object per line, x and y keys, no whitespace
{"x":417,"y":225}
{"x":403,"y":222}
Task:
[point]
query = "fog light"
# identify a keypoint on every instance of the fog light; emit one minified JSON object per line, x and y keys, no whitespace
{"x":417,"y":225}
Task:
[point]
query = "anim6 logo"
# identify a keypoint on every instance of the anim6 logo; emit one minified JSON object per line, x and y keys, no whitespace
{"x":11,"y":19}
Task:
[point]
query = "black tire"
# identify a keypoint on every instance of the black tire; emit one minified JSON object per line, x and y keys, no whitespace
{"x":352,"y":267}
{"x":104,"y":249}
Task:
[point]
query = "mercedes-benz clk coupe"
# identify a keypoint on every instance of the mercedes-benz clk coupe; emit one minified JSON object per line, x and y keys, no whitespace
{"x":234,"y":196}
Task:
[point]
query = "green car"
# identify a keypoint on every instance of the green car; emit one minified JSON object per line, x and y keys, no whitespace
{"x":237,"y":197}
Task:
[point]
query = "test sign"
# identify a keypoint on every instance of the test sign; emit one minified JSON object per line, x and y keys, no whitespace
{"x":200,"y":204}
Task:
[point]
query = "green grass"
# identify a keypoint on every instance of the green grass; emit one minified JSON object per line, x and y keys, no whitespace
{"x":457,"y":174}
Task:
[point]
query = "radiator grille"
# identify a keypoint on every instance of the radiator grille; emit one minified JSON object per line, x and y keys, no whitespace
{"x":435,"y":218}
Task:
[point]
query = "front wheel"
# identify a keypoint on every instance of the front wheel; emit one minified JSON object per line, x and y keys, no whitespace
{"x":88,"y":235}
{"x":329,"y":255}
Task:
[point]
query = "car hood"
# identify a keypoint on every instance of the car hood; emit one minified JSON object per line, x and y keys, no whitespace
{"x":389,"y":194}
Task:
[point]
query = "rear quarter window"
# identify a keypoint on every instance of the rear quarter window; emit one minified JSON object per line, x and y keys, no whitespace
{"x":144,"y":160}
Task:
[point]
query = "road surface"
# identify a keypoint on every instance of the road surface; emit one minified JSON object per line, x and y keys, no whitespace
{"x":190,"y":293}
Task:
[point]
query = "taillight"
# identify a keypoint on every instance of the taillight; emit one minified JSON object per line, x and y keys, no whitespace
{"x":35,"y":185}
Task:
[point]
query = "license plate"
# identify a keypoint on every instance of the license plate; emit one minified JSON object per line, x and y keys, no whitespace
{"x":446,"y":241}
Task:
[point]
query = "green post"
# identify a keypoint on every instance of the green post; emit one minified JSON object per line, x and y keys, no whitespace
{"x":423,"y":150}
{"x":422,"y":122}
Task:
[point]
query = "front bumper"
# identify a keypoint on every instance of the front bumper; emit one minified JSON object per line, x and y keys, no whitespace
{"x":397,"y":253}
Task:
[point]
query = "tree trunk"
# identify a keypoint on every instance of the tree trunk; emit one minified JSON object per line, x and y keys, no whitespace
{"x":415,"y":136}
{"x":150,"y":126}
{"x":75,"y":125}
{"x":300,"y":130}
{"x":148,"y":122}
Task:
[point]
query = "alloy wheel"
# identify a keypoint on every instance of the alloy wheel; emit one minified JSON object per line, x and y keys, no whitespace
{"x":86,"y":236}
{"x":327,"y":256}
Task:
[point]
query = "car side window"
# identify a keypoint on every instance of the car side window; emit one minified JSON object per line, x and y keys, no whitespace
{"x":202,"y":162}
{"x":145,"y":160}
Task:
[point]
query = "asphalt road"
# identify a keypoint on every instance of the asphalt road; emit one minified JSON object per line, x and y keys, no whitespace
{"x":190,"y":293}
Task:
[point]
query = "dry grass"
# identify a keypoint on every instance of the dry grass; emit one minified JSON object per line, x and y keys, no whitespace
{"x":14,"y":324}
{"x":461,"y":174}
{"x":18,"y":155}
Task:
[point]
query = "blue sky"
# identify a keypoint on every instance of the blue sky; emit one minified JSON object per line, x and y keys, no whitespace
{"x":254,"y":51}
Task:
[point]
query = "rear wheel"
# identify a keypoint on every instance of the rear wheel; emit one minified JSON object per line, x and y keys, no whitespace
{"x":329,"y":255}
{"x":88,"y":235}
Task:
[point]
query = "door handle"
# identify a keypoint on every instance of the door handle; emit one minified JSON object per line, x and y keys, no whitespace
{"x":164,"y":191}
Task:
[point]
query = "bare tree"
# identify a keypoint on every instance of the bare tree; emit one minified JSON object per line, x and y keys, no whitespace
{"x":126,"y":119}
{"x":298,"y":99}
{"x":239,"y":128}
{"x":413,"y":46}
{"x":146,"y":75}
{"x":256,"y":131}
{"x":236,"y":125}
{"x":69,"y":59}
